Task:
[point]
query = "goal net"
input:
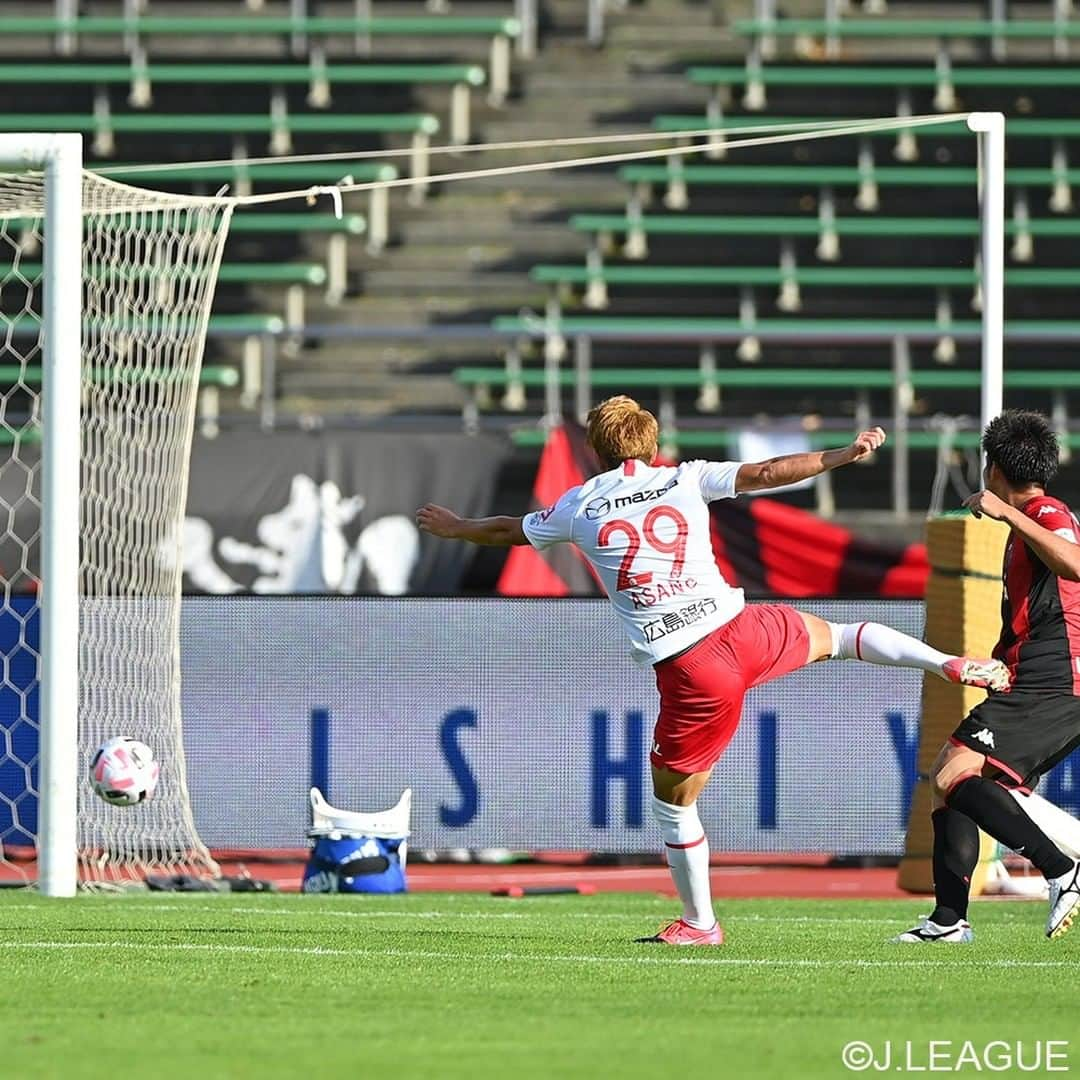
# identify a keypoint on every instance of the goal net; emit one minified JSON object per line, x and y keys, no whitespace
{"x":149,"y":263}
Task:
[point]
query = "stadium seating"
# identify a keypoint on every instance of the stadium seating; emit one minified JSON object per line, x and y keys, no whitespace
{"x":709,"y":382}
{"x":826,"y":228}
{"x":207,"y":85}
{"x":337,"y":230}
{"x":280,"y":127}
{"x":304,"y":33}
{"x":1057,"y":32}
{"x":242,"y":176}
{"x":1026,"y":128}
{"x":942,"y":78}
{"x":867,"y":179}
{"x":763,"y":378}
{"x":790,"y":279}
{"x":718,"y":439}
{"x":319,"y":79}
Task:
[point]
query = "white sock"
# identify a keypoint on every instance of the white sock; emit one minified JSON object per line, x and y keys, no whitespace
{"x":1059,"y":825}
{"x":687,"y":850}
{"x":879,"y":644}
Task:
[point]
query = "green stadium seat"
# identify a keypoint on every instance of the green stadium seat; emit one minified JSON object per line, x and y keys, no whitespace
{"x":300,"y":29}
{"x":765,"y":378}
{"x":243,"y":175}
{"x":104,"y":127}
{"x":213,"y":378}
{"x":709,"y":381}
{"x":942,"y":77}
{"x":892,"y":28}
{"x":866,"y":178}
{"x":716,"y":128}
{"x":294,"y":276}
{"x":826,"y":228}
{"x":999,"y":31}
{"x":318,"y":77}
{"x":695,"y":329}
{"x":716,"y":439}
{"x":788,"y":278}
{"x":749,"y":333}
{"x":337,"y":231}
{"x":209,"y":375}
{"x":1021,"y":127}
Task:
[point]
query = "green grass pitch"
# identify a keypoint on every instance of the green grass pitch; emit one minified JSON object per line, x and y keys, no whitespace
{"x":434,"y":985}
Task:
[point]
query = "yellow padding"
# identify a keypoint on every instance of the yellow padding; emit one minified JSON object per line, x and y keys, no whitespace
{"x":963,"y":617}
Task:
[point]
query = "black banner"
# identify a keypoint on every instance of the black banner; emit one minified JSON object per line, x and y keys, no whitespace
{"x":285,"y":512}
{"x":292,"y":512}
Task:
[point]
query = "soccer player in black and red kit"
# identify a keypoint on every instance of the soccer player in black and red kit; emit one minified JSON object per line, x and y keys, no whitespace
{"x":1010,"y":740}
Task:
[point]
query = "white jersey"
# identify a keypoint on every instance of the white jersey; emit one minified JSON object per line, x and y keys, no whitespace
{"x":645,"y":530}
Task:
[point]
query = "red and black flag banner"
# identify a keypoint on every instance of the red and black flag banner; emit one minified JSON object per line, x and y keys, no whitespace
{"x":566,"y":461}
{"x":762,"y":545}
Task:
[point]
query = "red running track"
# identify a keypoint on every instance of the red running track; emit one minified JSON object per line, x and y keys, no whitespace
{"x":752,"y":879}
{"x":733,"y":876}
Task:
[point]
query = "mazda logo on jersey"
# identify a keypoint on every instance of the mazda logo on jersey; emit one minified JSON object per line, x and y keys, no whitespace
{"x":646,"y":496}
{"x":597,"y":508}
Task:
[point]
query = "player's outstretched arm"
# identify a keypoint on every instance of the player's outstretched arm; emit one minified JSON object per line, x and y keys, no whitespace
{"x":1058,"y":551}
{"x":791,"y":468}
{"x":492,"y":531}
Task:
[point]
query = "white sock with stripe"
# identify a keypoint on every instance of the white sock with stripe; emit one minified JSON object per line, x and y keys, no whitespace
{"x":687,"y":849}
{"x":877,"y":644}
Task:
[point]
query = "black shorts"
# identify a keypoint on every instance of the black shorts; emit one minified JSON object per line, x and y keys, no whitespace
{"x":1022,"y":733}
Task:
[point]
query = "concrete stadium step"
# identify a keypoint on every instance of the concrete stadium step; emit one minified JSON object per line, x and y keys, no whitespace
{"x":322,"y":392}
{"x":439,"y":257}
{"x":539,"y":238}
{"x":464,"y":255}
{"x":510,"y":288}
{"x":396,"y":310}
{"x":564,"y":187}
{"x":390,"y":357}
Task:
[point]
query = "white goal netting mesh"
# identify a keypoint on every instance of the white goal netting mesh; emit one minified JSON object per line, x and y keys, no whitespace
{"x":149,"y":265}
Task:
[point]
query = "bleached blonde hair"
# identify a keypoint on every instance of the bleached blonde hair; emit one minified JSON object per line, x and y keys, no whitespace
{"x":620,"y":429}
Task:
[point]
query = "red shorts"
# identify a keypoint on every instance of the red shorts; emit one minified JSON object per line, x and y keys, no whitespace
{"x":701,"y":690}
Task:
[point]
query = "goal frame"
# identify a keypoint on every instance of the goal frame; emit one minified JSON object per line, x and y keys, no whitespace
{"x":59,"y":157}
{"x":989,"y":128}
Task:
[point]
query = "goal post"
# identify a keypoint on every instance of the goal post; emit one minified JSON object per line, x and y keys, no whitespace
{"x":105,"y":296}
{"x":59,"y":158}
{"x":964,"y":590}
{"x":989,"y":130}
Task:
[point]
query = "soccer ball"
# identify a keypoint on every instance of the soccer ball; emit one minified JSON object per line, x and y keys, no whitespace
{"x":123,"y":771}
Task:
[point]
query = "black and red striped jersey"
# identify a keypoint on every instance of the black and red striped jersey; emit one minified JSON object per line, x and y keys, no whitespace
{"x":1040,"y":613}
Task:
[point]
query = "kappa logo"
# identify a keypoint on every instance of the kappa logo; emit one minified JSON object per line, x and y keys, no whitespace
{"x":1046,"y":510}
{"x":986,"y":737}
{"x":597,"y":508}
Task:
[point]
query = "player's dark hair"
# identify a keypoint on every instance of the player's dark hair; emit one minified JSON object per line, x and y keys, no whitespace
{"x":1023,"y":446}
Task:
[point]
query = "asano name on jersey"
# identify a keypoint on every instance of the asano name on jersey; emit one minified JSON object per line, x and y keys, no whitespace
{"x":645,"y":531}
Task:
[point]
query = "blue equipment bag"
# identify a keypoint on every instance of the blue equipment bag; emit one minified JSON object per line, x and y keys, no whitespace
{"x":357,"y":852}
{"x":354,"y":864}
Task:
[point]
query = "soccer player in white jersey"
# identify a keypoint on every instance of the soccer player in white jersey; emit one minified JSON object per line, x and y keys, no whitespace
{"x":645,"y":531}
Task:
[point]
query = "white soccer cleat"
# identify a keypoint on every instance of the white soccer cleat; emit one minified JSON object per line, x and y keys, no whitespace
{"x":929,"y":932}
{"x":985,"y":674}
{"x":1064,"y":898}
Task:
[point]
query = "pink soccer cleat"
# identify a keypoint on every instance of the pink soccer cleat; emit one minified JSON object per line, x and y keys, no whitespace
{"x":985,"y":674}
{"x":682,"y":933}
